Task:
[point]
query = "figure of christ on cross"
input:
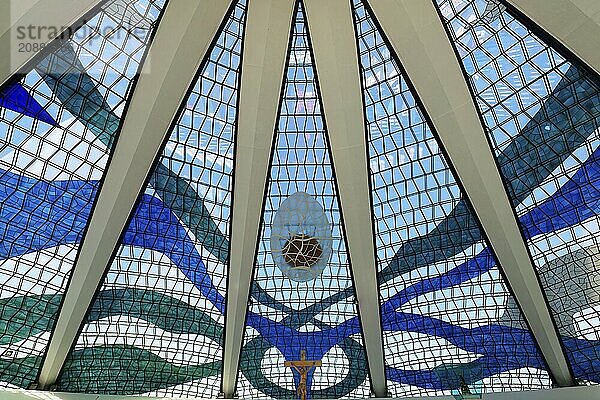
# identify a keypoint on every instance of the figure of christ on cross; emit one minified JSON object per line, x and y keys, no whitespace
{"x":303,"y":367}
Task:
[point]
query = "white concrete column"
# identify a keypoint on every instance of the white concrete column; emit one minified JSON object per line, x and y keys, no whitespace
{"x":265,"y":45}
{"x":331,"y":28}
{"x":180,"y":44}
{"x":35,"y":13}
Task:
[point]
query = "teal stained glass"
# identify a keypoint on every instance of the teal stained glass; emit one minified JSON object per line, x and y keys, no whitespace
{"x":156,"y":326}
{"x":58,"y":124}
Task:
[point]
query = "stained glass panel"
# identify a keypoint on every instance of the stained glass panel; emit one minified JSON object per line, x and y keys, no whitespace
{"x":448,"y":319}
{"x":542,"y":113}
{"x":58,"y":123}
{"x":156,"y":326}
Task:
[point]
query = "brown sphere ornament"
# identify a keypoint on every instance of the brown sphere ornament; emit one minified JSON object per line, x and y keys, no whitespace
{"x":302,"y":251}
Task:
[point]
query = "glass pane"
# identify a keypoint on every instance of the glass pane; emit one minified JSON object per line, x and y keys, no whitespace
{"x":58,"y":124}
{"x":302,"y":297}
{"x":449,"y":320}
{"x":542,"y":113}
{"x":156,"y":326}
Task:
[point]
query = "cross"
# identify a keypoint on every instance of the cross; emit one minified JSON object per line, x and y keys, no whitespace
{"x":303,"y":367}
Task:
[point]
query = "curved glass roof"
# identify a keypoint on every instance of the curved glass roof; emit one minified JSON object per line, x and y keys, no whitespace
{"x":542,"y":116}
{"x":58,"y":125}
{"x":449,"y":317}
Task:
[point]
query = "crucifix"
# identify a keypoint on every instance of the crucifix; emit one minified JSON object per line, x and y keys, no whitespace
{"x":303,"y":367}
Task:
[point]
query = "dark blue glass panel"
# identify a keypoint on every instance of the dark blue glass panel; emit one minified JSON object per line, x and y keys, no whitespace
{"x":57,"y":126}
{"x":157,"y":324}
{"x":447,"y":315}
{"x":14,"y":97}
{"x":542,"y":113}
{"x":295,"y":305}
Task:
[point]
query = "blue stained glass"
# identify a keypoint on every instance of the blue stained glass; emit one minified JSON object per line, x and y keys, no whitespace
{"x":156,"y":326}
{"x":447,"y":315}
{"x":313,"y":312}
{"x":57,"y":126}
{"x":15,"y":97}
{"x":542,"y":112}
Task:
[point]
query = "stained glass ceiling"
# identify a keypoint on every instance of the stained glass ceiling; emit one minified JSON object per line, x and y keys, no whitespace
{"x":541,"y":114}
{"x":446,"y":311}
{"x":155,"y":325}
{"x":58,"y":125}
{"x":298,"y":312}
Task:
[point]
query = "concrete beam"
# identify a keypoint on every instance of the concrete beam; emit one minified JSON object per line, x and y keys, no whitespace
{"x":333,"y":38}
{"x":263,"y":63}
{"x":573,"y":393}
{"x":417,"y":36}
{"x":180,"y":44}
{"x":36,"y":13}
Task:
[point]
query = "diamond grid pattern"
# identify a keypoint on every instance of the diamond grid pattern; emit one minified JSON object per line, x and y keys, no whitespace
{"x":302,"y":315}
{"x":156,"y":324}
{"x":57,"y":126}
{"x":436,"y":271}
{"x":542,"y":113}
{"x":162,"y":303}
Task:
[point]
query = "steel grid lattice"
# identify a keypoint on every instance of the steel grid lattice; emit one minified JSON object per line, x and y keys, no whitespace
{"x":542,"y":114}
{"x":447,"y":314}
{"x":58,"y":123}
{"x":156,"y":326}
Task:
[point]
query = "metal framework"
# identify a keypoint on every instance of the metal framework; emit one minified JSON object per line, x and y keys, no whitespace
{"x":432,"y":66}
{"x":150,"y":114}
{"x":263,"y":63}
{"x":534,"y":152}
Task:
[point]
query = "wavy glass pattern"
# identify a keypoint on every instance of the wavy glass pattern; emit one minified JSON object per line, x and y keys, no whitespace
{"x":542,"y":113}
{"x":57,"y":126}
{"x":319,"y":315}
{"x":156,"y":326}
{"x":447,"y":315}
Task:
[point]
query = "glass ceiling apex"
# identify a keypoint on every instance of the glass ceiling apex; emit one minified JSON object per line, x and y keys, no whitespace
{"x":450,"y":321}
